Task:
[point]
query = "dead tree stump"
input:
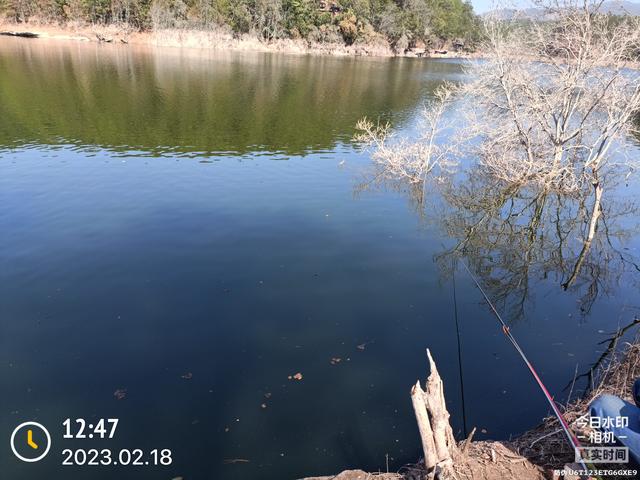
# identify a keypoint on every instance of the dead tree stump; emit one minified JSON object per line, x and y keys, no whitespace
{"x":438,"y":443}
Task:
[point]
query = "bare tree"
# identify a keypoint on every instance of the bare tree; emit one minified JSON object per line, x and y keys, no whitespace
{"x":410,"y":160}
{"x":548,"y":110}
{"x":268,"y":19}
{"x":555,"y":97}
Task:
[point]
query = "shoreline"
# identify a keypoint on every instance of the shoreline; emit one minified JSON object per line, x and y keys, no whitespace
{"x":541,"y":452}
{"x":212,"y":40}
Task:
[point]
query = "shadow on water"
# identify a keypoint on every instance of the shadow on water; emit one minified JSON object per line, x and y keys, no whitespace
{"x":590,"y":376}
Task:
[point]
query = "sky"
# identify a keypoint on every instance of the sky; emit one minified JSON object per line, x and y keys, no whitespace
{"x":482,"y":6}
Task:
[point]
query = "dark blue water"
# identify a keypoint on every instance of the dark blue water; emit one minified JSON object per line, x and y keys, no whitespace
{"x":188,"y":232}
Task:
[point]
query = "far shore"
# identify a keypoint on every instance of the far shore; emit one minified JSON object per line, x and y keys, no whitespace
{"x":208,"y":39}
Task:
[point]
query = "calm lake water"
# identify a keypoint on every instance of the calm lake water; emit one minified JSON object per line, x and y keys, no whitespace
{"x":186,"y":228}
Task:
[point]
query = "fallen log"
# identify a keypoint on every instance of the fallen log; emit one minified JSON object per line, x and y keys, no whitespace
{"x":103,"y":38}
{"x":20,"y":34}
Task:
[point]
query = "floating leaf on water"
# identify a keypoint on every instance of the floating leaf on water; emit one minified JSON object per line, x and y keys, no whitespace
{"x":120,"y":393}
{"x":297,"y":376}
{"x":187,"y":376}
{"x":361,"y":346}
{"x":264,"y":405}
{"x":335,"y":360}
{"x":267,"y":395}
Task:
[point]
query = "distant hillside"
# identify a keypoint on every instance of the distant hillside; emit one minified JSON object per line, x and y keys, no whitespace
{"x":615,"y":7}
{"x":398,"y":24}
{"x":620,"y":8}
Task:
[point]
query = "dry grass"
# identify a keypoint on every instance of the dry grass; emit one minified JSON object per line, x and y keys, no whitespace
{"x":358,"y":475}
{"x":546,"y":445}
{"x":484,"y":461}
{"x":534,"y":454}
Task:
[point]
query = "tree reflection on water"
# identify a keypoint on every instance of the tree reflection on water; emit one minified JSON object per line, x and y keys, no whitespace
{"x":513,"y":237}
{"x":509,"y":236}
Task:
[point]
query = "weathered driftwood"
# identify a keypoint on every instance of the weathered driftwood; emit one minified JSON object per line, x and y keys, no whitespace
{"x":103,"y":38}
{"x":438,"y":443}
{"x":424,"y":426}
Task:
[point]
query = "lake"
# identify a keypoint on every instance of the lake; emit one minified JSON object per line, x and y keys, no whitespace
{"x":182,"y":231}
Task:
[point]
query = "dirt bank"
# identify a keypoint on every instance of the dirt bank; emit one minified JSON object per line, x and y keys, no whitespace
{"x":200,"y":39}
{"x":537,"y":453}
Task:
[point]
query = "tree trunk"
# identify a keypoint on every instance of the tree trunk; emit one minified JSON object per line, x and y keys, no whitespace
{"x":438,"y":443}
{"x":591,"y":232}
{"x":595,"y":212}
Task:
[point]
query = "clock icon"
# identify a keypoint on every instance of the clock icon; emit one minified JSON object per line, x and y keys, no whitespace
{"x":30,"y":442}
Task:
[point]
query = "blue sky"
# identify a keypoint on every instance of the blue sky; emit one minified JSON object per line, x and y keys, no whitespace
{"x":481,"y":6}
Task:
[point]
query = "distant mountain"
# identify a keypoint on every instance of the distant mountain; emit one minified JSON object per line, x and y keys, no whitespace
{"x":615,"y":7}
{"x":511,"y":13}
{"x":622,"y":7}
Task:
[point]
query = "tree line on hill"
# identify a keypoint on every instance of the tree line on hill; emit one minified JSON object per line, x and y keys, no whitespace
{"x":400,"y":23}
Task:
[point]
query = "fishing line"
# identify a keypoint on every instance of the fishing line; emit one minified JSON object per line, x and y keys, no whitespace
{"x":573,"y":441}
{"x":455,"y":312}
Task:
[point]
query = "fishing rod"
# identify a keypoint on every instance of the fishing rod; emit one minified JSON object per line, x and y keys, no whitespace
{"x":573,"y":441}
